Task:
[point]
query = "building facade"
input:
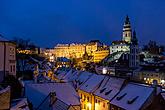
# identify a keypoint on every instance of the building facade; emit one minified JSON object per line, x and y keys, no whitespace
{"x":119,"y":46}
{"x":99,"y":55}
{"x":134,"y":52}
{"x":93,"y":46}
{"x":94,"y":49}
{"x":69,"y":50}
{"x":7,"y":58}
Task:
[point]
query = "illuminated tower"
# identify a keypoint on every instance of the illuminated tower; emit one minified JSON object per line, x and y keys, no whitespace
{"x":127,"y":32}
{"x":134,"y":52}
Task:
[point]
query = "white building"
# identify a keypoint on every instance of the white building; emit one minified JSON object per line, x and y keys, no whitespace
{"x":7,"y":58}
{"x":119,"y":46}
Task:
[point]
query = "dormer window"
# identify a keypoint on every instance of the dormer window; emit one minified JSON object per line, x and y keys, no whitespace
{"x":102,"y":90}
{"x":120,"y":97}
{"x":132,"y":100}
{"x":107,"y":93}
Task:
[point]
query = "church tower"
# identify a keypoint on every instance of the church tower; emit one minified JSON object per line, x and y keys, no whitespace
{"x":127,"y":32}
{"x":134,"y":52}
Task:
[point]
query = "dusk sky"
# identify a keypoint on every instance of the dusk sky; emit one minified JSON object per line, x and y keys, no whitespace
{"x":48,"y":22}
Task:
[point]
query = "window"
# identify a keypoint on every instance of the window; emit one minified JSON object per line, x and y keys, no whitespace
{"x":103,"y":104}
{"x":99,"y":102}
{"x":87,"y":98}
{"x":96,"y":100}
{"x":11,"y":68}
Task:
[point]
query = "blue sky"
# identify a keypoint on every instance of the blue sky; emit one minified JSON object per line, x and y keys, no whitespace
{"x":48,"y":22}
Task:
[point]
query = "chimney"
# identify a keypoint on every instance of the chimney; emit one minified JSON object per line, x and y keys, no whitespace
{"x":53,"y":98}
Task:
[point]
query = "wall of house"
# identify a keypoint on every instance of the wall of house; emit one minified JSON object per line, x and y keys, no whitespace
{"x":100,"y":55}
{"x":10,"y":59}
{"x":1,"y":61}
{"x":101,"y":104}
{"x":86,"y":100}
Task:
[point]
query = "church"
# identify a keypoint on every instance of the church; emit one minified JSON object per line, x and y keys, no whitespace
{"x":127,"y":45}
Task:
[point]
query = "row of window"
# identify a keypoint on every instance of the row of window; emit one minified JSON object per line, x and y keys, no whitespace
{"x":146,"y":74}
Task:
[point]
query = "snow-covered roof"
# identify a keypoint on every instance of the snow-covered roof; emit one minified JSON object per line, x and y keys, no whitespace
{"x":132,"y":96}
{"x":19,"y":104}
{"x":109,"y":88}
{"x":84,"y":76}
{"x":36,"y":93}
{"x":61,"y":74}
{"x":5,"y":90}
{"x":71,"y":76}
{"x":163,"y":95}
{"x":92,"y":83}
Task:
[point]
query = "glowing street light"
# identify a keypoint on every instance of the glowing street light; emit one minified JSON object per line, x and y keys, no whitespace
{"x":104,"y":70}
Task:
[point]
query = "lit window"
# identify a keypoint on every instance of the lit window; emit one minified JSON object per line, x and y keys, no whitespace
{"x":104,"y":105}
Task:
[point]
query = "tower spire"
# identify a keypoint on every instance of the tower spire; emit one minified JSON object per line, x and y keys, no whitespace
{"x":134,"y":39}
{"x":127,"y":31}
{"x":134,"y":52}
{"x":127,"y":20}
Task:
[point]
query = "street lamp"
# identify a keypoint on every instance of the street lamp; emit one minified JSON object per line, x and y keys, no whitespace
{"x":104,"y":71}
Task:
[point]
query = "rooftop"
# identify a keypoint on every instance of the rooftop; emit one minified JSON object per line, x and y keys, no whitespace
{"x":36,"y":93}
{"x":109,"y":88}
{"x":132,"y":96}
{"x":92,"y":83}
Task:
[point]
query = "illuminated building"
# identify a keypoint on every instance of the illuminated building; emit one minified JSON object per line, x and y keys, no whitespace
{"x":99,"y":55}
{"x":106,"y":92}
{"x":85,"y":92}
{"x":61,"y":50}
{"x":97,"y":92}
{"x":149,"y":75}
{"x":93,"y":49}
{"x":7,"y":58}
{"x":93,"y":46}
{"x":69,"y":50}
{"x":119,"y":46}
{"x":123,"y":45}
{"x":102,"y":92}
